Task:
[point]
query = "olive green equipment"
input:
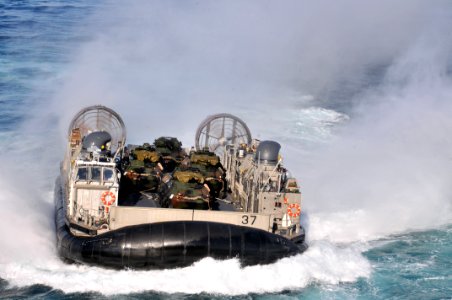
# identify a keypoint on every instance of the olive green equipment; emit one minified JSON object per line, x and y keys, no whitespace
{"x":170,"y":143}
{"x":189,"y":195}
{"x":139,"y":178}
{"x":205,"y":158}
{"x":189,"y":189}
{"x":188,"y":176}
{"x":146,"y":155}
{"x":135,"y":164}
{"x":208,"y":170}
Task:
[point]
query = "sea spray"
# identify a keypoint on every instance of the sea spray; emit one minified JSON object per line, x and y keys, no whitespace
{"x":162,"y":65}
{"x":389,"y":169}
{"x":322,"y":263}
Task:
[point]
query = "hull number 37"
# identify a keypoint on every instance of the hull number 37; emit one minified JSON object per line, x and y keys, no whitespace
{"x":247,"y":219}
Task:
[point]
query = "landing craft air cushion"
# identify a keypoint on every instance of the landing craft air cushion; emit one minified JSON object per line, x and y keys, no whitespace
{"x":156,"y":206}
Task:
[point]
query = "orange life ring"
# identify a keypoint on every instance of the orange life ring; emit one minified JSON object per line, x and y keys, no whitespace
{"x":291,"y":213}
{"x":104,"y":195}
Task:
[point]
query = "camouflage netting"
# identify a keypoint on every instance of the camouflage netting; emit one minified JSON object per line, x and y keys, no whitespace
{"x":196,"y":180}
{"x":189,"y":196}
{"x":207,"y":171}
{"x":205,"y":158}
{"x":191,"y":189}
{"x":170,"y":143}
{"x":140,"y":180}
{"x":170,"y":151}
{"x":188,"y":176}
{"x":146,"y":155}
{"x":135,"y":164}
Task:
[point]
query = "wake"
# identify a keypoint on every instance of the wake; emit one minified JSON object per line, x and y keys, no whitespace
{"x":322,"y":263}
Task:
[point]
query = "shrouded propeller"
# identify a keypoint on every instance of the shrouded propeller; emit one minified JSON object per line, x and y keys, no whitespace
{"x":219,"y":130}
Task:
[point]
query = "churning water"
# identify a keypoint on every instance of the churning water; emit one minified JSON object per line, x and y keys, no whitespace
{"x":358,"y":94}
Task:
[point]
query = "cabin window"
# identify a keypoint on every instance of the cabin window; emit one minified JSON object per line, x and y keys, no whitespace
{"x":108,"y":175}
{"x":95,"y":173}
{"x":82,"y":174}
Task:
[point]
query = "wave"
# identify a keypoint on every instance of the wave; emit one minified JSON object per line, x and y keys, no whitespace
{"x":380,"y":167}
{"x":322,"y":263}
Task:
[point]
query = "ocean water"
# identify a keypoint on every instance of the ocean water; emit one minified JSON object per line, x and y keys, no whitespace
{"x":358,"y":94}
